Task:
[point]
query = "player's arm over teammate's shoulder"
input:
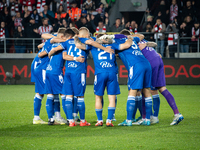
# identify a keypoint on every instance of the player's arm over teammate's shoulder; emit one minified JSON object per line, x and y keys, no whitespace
{"x":54,"y":50}
{"x":125,"y":45}
{"x":57,"y":40}
{"x":97,"y":45}
{"x":40,"y":45}
{"x":79,"y":44}
{"x":140,"y":36}
{"x":47,"y":36}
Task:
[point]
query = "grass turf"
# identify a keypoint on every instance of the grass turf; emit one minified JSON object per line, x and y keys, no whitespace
{"x":18,"y":132}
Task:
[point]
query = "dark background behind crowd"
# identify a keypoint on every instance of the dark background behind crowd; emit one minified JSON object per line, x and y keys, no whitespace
{"x":31,"y":18}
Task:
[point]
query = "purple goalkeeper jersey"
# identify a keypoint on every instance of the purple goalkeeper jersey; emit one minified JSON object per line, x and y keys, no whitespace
{"x":158,"y":76}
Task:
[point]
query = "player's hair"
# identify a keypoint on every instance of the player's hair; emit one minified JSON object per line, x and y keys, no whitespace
{"x":99,"y":35}
{"x":61,"y":30}
{"x":75,"y":30}
{"x":125,"y":32}
{"x":84,"y":30}
{"x":68,"y":33}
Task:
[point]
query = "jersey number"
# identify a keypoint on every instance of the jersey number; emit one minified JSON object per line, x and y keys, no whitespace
{"x":72,"y":53}
{"x":103,"y":57}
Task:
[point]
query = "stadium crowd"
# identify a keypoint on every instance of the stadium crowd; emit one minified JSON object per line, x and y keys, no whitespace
{"x":32,"y":18}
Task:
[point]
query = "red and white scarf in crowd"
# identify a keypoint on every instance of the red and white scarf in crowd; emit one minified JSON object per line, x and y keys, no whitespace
{"x":131,"y":30}
{"x":38,"y":6}
{"x":81,"y":4}
{"x":44,"y":29}
{"x":171,"y":38}
{"x":27,"y":3}
{"x":68,"y":6}
{"x":2,"y":33}
{"x":18,"y":22}
{"x":195,"y":33}
{"x":173,"y":11}
{"x":103,"y":30}
{"x":158,"y":29}
{"x":42,"y":6}
{"x":14,"y":9}
{"x":61,"y":2}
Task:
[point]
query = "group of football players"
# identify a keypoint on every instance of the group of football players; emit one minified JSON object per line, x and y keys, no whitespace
{"x":70,"y":48}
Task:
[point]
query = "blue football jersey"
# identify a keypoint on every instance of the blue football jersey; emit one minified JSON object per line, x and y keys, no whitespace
{"x":56,"y":62}
{"x":71,"y":49}
{"x":131,"y":55}
{"x":103,"y":61}
{"x":44,"y":61}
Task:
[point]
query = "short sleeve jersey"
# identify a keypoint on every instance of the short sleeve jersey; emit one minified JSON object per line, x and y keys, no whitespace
{"x":71,"y":49}
{"x":56,"y":62}
{"x":103,"y":61}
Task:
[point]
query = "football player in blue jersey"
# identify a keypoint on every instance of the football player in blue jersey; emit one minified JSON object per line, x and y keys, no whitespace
{"x":53,"y":84}
{"x":75,"y":82}
{"x":106,"y":76}
{"x":36,"y":76}
{"x":139,"y":77}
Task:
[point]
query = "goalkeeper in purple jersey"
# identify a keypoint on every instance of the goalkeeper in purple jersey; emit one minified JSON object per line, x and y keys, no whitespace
{"x":158,"y":83}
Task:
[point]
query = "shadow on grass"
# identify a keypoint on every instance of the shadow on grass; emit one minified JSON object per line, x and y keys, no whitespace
{"x":31,"y":130}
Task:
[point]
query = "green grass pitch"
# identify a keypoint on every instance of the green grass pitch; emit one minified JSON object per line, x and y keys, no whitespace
{"x":18,"y":132}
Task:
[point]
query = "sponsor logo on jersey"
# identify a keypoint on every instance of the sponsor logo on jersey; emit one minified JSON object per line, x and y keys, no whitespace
{"x":105,"y":64}
{"x":72,"y":65}
{"x":49,"y":67}
{"x":137,"y":53}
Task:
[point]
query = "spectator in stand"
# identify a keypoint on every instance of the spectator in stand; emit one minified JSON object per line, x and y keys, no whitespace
{"x":195,"y":36}
{"x":31,"y":31}
{"x":162,"y":12}
{"x":7,"y":19}
{"x":89,"y":5}
{"x":97,"y":17}
{"x":101,"y":10}
{"x":14,"y":6}
{"x":90,"y":19}
{"x":45,"y":28}
{"x":184,"y":32}
{"x":48,"y":14}
{"x":20,"y":46}
{"x":173,"y":10}
{"x":64,"y":24}
{"x":57,"y":22}
{"x":117,"y":27}
{"x":17,"y":20}
{"x":74,"y":12}
{"x":189,"y":21}
{"x":63,"y":14}
{"x":36,"y":16}
{"x":28,"y":3}
{"x":176,"y":21}
{"x":83,"y":22}
{"x":188,"y":10}
{"x":172,"y":39}
{"x":3,"y":34}
{"x":101,"y":28}
{"x":26,"y":12}
{"x":158,"y":30}
{"x":148,"y":22}
{"x":149,"y":35}
{"x":133,"y":27}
